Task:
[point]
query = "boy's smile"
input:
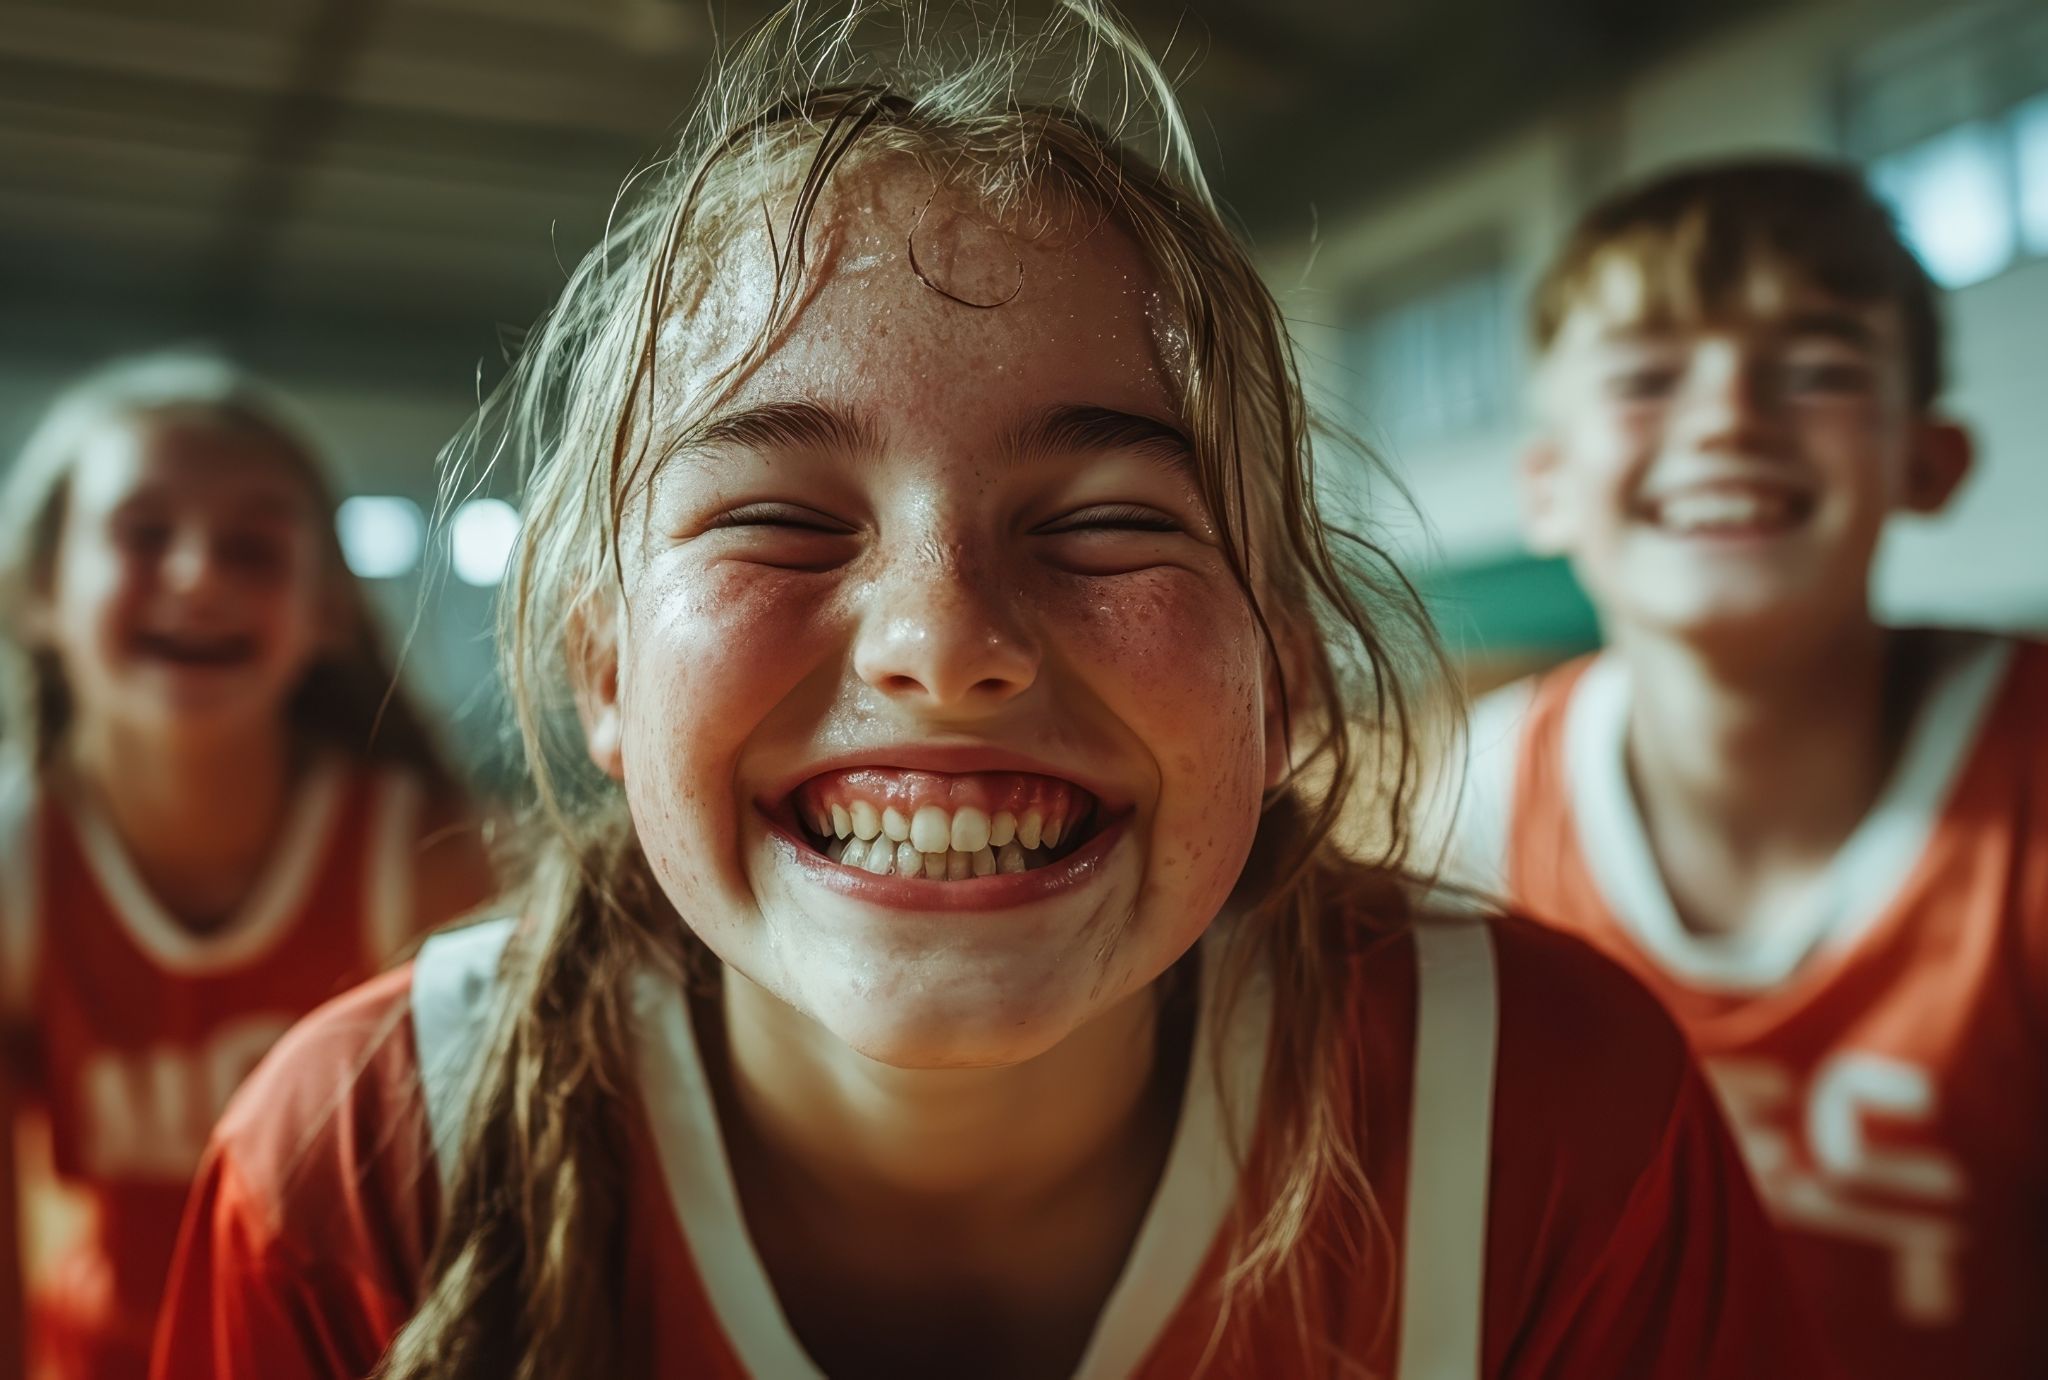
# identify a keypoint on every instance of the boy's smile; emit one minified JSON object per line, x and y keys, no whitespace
{"x":1727,"y":478}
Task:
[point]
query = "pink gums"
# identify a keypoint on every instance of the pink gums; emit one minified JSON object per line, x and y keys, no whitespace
{"x":909,"y":791}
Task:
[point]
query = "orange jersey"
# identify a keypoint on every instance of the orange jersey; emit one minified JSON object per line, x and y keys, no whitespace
{"x":139,"y":1030}
{"x":1883,"y":1052}
{"x":1531,"y":1124}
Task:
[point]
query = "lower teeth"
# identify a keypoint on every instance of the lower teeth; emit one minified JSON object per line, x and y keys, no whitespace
{"x":886,"y":857}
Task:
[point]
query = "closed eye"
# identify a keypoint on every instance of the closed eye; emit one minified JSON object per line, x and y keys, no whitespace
{"x":781,"y":515}
{"x":787,"y":536}
{"x":1113,"y":517}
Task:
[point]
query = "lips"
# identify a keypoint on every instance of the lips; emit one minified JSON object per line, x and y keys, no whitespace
{"x":195,"y":651}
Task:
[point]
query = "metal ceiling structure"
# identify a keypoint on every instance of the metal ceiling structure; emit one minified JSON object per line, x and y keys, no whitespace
{"x":396,"y":178}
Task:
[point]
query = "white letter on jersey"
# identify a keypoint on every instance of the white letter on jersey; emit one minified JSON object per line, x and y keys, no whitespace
{"x":147,"y":1114}
{"x":1834,"y":1197}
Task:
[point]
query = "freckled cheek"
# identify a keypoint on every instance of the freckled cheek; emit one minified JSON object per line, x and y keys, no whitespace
{"x":707,"y":660}
{"x":1177,"y":657}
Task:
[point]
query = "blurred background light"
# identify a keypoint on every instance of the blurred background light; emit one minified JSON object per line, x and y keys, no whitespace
{"x":1954,"y":202}
{"x":2030,"y":149}
{"x":481,"y":538}
{"x":381,"y":535}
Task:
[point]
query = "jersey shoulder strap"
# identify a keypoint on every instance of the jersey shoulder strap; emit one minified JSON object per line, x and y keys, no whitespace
{"x":1450,"y":1153}
{"x":452,"y":981}
{"x":20,"y":891}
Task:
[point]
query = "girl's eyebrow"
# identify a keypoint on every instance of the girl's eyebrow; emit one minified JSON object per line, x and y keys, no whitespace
{"x":787,"y":425}
{"x":1080,"y":428}
{"x":1063,"y":429}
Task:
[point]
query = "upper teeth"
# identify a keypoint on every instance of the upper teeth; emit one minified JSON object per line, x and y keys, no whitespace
{"x":932,"y":842}
{"x":1723,"y":508}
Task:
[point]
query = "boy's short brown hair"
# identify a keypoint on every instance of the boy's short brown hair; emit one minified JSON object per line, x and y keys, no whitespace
{"x":1704,"y":239}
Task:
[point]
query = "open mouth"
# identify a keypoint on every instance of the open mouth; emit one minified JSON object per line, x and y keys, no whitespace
{"x":943,"y":826}
{"x":1730,"y":510}
{"x":195,"y":652}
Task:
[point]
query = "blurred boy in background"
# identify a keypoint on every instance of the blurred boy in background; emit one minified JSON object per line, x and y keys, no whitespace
{"x":1823,"y":842}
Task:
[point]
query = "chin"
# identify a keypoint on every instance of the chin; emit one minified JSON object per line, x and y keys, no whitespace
{"x":909,"y":1023}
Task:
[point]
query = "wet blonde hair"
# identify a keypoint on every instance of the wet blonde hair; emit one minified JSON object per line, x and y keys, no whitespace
{"x":347,"y":700}
{"x":1028,"y":125}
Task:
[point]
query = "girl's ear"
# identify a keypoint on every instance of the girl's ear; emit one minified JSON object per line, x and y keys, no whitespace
{"x":1286,"y":701}
{"x":594,"y":677}
{"x":1941,"y":460}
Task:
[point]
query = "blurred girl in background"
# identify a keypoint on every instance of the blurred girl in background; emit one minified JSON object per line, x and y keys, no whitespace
{"x":214,"y":810}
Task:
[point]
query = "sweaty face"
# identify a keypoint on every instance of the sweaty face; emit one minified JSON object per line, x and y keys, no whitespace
{"x":187,"y":587}
{"x":938,"y":709}
{"x":1720,"y":478}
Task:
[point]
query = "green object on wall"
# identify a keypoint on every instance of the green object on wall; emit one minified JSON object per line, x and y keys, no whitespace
{"x":1522,"y":604}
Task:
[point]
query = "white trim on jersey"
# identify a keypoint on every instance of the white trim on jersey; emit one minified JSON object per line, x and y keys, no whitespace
{"x":1481,"y":803}
{"x":1858,"y":884}
{"x":1450,"y":1156}
{"x":394,"y":852}
{"x":684,"y":1122}
{"x":263,"y":917}
{"x":1199,"y":1185}
{"x":452,"y":978}
{"x":1444,"y":1272}
{"x":1195,"y":1192}
{"x":19,"y":899}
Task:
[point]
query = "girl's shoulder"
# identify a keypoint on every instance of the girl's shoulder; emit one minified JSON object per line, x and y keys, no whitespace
{"x":1571,"y":1031}
{"x":1520,"y":1093}
{"x":329,"y":1147}
{"x":317,"y":1199}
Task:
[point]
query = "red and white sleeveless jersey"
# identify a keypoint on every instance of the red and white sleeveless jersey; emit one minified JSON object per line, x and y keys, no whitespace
{"x":1562,"y":1192}
{"x":1882,"y":1051}
{"x":139,"y":1030}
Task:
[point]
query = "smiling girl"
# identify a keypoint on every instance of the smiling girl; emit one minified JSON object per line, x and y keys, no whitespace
{"x":200,"y":839}
{"x":945,"y":969}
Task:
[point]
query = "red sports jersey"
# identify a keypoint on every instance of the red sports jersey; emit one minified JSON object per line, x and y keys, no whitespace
{"x":140,"y":1030}
{"x":1883,"y":1052}
{"x":1531,"y":1124}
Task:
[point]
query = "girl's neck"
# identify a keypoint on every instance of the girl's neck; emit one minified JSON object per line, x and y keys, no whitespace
{"x":940,"y":1136}
{"x":1006,"y":1198}
{"x":198,"y":817}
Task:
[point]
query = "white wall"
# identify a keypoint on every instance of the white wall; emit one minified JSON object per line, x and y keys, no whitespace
{"x":1767,"y":85}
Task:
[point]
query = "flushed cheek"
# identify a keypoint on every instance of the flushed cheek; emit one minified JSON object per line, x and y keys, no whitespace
{"x":707,"y":660}
{"x":1180,"y":662}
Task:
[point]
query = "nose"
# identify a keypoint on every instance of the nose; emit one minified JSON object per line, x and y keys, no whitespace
{"x":1729,"y":405}
{"x":190,"y":564}
{"x":939,"y":633}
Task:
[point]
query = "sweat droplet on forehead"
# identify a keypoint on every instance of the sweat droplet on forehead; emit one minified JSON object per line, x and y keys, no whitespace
{"x":1169,"y":334}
